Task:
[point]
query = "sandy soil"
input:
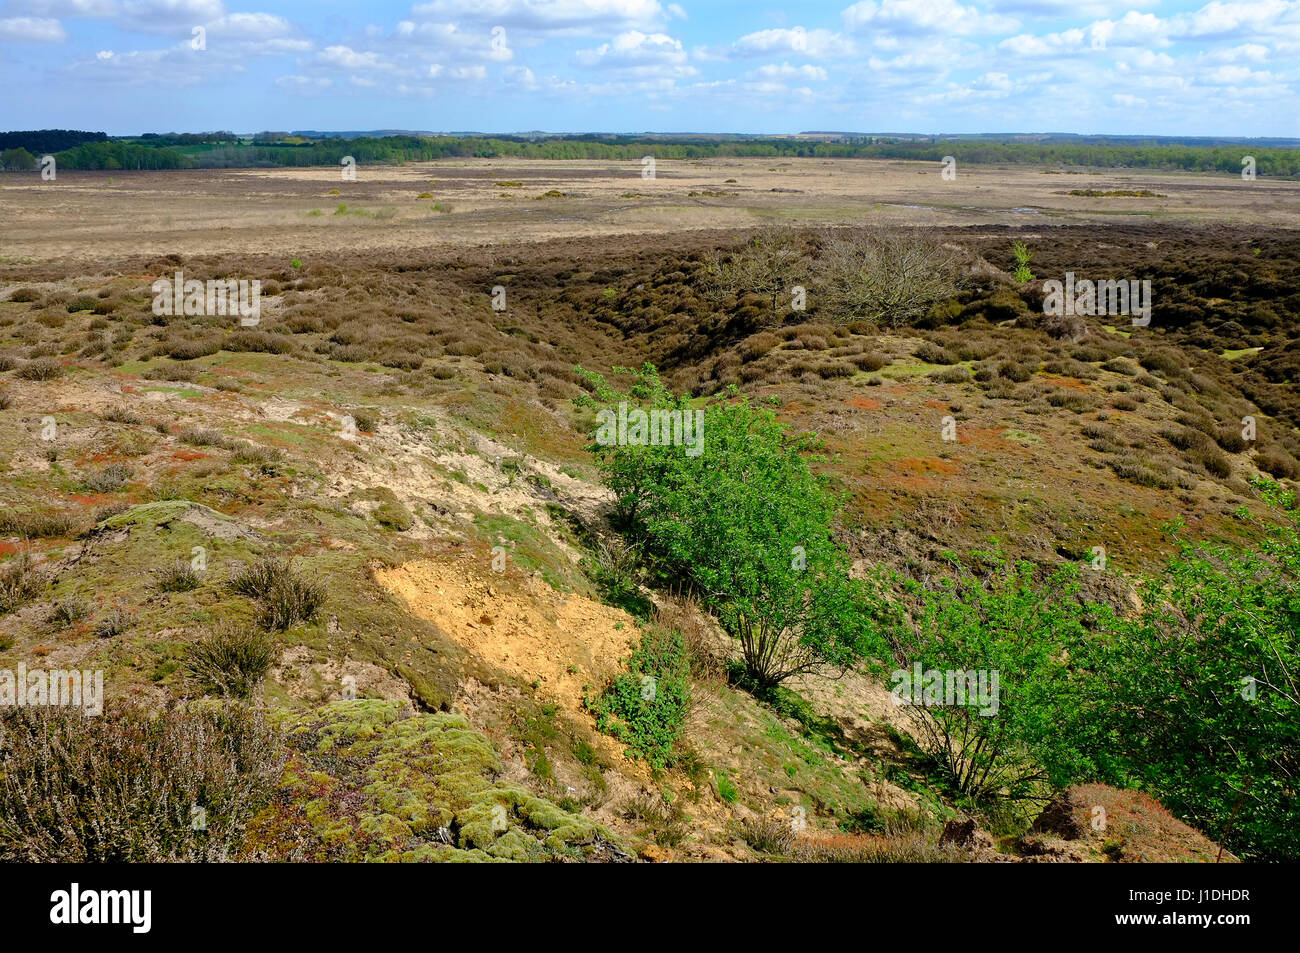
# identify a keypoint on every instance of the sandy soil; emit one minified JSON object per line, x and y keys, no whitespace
{"x":524,"y":627}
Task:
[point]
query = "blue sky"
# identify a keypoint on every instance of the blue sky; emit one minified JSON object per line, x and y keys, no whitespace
{"x":1161,"y":67}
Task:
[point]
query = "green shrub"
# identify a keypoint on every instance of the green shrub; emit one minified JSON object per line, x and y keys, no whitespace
{"x":1010,"y":625}
{"x":230,"y":660}
{"x":746,"y":524}
{"x":1021,"y":253}
{"x":286,"y":596}
{"x":646,"y":706}
{"x":1196,"y":698}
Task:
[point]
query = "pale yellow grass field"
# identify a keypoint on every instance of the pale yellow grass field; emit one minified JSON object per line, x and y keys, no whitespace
{"x":100,"y":215}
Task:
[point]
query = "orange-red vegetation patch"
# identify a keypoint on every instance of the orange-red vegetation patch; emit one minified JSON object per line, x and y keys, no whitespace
{"x":918,"y":474}
{"x":937,"y":404}
{"x":88,"y":499}
{"x":863,"y":403}
{"x":986,"y":438}
{"x":1139,"y":829}
{"x":187,"y":455}
{"x":7,"y":548}
{"x":1073,"y":383}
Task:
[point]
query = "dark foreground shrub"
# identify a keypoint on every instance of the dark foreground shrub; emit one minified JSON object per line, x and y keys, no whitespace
{"x":132,"y":785}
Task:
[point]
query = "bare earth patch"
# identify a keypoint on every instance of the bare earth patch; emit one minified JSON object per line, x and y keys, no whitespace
{"x":520,"y":625}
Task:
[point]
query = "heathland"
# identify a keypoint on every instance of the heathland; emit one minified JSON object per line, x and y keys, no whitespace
{"x":363,"y":585}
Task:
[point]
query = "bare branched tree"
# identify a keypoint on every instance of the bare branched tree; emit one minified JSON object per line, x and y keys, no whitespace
{"x":770,"y":264}
{"x":889,"y":276}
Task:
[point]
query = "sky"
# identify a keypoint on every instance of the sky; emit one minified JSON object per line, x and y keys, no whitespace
{"x":1158,"y":67}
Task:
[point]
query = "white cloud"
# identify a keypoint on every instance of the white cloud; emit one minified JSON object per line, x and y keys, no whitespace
{"x":634,"y":48}
{"x":32,"y":30}
{"x":923,"y":16}
{"x":345,"y":57}
{"x":786,"y":71}
{"x":635,"y":54}
{"x":817,"y":44}
{"x":299,"y":82}
{"x":521,"y":76}
{"x":577,"y":16}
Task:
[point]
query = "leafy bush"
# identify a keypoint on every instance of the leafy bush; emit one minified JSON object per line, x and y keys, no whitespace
{"x":1196,"y":699}
{"x":646,"y":706}
{"x":745,"y":525}
{"x":1012,"y":626}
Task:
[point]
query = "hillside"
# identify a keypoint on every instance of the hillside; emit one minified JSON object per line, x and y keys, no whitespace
{"x":368,"y":540}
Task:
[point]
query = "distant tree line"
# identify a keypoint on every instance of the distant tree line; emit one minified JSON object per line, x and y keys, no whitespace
{"x":187,"y":138}
{"x":42,"y":141}
{"x":117,"y":154}
{"x":223,"y":150}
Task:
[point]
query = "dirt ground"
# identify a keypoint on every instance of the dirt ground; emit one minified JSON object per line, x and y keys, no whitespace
{"x":562,"y":642}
